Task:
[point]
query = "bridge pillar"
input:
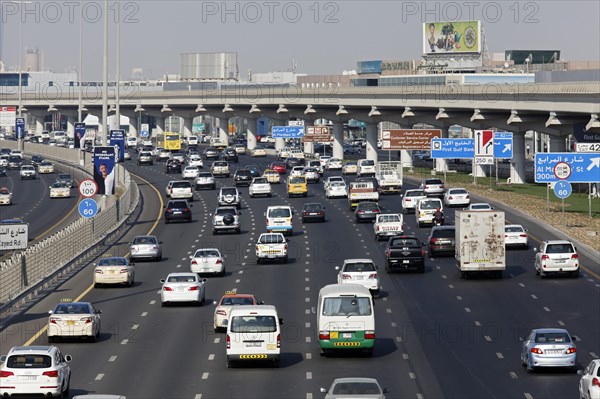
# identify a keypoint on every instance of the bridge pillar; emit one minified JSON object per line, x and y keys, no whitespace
{"x":187,"y":126}
{"x":309,"y":148}
{"x":160,"y":126}
{"x":223,"y":125}
{"x":440,"y":163}
{"x":133,"y":124}
{"x":558,"y":144}
{"x":280,"y":143}
{"x":251,"y":132}
{"x":338,"y":140}
{"x":371,"y":134}
{"x":517,"y":163}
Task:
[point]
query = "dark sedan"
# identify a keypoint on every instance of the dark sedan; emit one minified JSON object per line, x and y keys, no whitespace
{"x":173,"y":166}
{"x":178,"y":210}
{"x":441,"y":240}
{"x":366,"y":211}
{"x":313,"y":211}
{"x":230,"y":155}
{"x":242,"y":177}
{"x":291,"y":162}
{"x":36,"y":159}
{"x":254,"y":170}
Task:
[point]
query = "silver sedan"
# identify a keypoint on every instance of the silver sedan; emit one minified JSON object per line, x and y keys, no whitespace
{"x":145,"y":247}
{"x":549,"y":347}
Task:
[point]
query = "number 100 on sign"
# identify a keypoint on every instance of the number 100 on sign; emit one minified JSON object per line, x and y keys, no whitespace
{"x":88,"y":188}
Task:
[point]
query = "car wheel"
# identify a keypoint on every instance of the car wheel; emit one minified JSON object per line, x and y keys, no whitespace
{"x":214,"y":232}
{"x":285,"y":259}
{"x":258,"y":260}
{"x":51,"y":339}
{"x":421,"y":269}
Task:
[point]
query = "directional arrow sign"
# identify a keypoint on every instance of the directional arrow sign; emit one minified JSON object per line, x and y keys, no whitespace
{"x":452,"y":148}
{"x":286,"y":132}
{"x":574,"y":167}
{"x":503,"y":148}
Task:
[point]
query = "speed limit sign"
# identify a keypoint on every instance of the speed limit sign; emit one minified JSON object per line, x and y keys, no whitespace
{"x":88,"y":188}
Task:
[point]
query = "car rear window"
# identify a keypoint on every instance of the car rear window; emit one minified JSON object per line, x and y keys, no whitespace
{"x":182,"y":184}
{"x":313,"y":207}
{"x":30,"y":361}
{"x":359,"y":267}
{"x":225,"y":211}
{"x":412,"y":242}
{"x":458,"y":191}
{"x":356,"y":388}
{"x":271,"y":239}
{"x":443,"y":233}
{"x":228,"y":191}
{"x":389,"y":219}
{"x":204,"y":174}
{"x":241,"y":324}
{"x":237,"y":300}
{"x":367,"y":205}
{"x":182,"y":279}
{"x":206,"y":253}
{"x":279,"y":213}
{"x":144,"y":240}
{"x":367,"y":163}
{"x":433,"y":181}
{"x":297,"y":180}
{"x":556,"y":338}
{"x":260,"y":181}
{"x":178,"y":204}
{"x":513,"y":229}
{"x":424,"y":204}
{"x":559,"y":248}
{"x":220,"y":164}
{"x":72,"y":309}
{"x":113,"y":262}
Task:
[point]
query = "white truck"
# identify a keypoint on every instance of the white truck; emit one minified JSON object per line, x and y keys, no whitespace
{"x":388,"y":225}
{"x":361,"y":191}
{"x":480,"y":242}
{"x":389,"y":176}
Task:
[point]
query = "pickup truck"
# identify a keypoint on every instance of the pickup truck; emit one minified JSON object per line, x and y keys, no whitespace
{"x":361,"y":191}
{"x":404,"y":252}
{"x":388,"y":225}
{"x":389,"y":176}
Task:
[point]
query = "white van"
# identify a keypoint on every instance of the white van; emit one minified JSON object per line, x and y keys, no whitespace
{"x":366,"y":167}
{"x":426,"y":208}
{"x":253,"y":333}
{"x":279,"y":219}
{"x":346,"y":318}
{"x":192,"y":140}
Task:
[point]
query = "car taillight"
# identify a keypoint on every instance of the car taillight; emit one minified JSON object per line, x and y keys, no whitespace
{"x":169,"y":210}
{"x":369,"y":334}
{"x":574,"y":256}
{"x":545,"y":257}
{"x":388,"y":252}
{"x":194,"y":262}
{"x":361,"y":212}
{"x":407,"y":199}
{"x":467,"y":196}
{"x":433,"y":240}
{"x":219,"y":262}
{"x":537,"y":351}
{"x":278,"y":340}
{"x":99,"y":271}
{"x":571,"y":350}
{"x":595,"y":382}
{"x":256,"y":247}
{"x":228,"y":342}
{"x":426,"y":187}
{"x":167,"y":289}
{"x":221,"y":312}
{"x":4,"y":374}
{"x":123,"y":271}
{"x":285,"y":247}
{"x":522,"y":235}
{"x":323,"y":334}
{"x":373,"y":275}
{"x":86,"y":319}
{"x":186,"y":209}
{"x":194,"y":288}
{"x":450,"y":197}
{"x":422,"y":252}
{"x":53,"y":320}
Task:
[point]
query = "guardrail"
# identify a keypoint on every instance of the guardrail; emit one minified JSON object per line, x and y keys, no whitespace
{"x":26,"y":271}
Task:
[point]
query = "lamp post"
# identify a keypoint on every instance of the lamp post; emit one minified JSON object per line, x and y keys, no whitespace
{"x":19,"y":142}
{"x":105,"y":76}
{"x":118,"y":66}
{"x":79,"y":109}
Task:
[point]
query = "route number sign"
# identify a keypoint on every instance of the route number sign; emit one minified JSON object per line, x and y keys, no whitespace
{"x":88,"y":188}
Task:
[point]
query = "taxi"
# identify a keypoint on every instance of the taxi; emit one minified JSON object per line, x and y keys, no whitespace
{"x":272,"y":176}
{"x":350,"y":168}
{"x":297,"y":185}
{"x":60,"y":190}
{"x":74,"y":319}
{"x":45,"y":167}
{"x":5,"y":196}
{"x":227,"y":301}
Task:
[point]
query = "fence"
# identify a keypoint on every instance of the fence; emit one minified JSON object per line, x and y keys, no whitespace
{"x":25,"y":271}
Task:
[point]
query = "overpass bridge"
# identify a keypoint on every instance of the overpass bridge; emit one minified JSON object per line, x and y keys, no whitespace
{"x":550,"y":108}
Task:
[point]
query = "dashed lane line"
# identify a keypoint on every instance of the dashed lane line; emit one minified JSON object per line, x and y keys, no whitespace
{"x":99,"y":377}
{"x":112,"y":358}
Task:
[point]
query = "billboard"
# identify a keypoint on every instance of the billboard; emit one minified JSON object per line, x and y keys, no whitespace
{"x":117,"y":140}
{"x":317,"y":134}
{"x":367,"y":67}
{"x":452,"y":37}
{"x":7,"y":116}
{"x":104,"y":169}
{"x":79,"y":134}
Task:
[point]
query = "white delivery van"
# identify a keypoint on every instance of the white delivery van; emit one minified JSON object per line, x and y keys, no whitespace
{"x":426,"y":208}
{"x":366,"y":167}
{"x":253,"y":333}
{"x":279,"y":219}
{"x":346,"y":318}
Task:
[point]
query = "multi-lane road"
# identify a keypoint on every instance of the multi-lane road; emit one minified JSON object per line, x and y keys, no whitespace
{"x":437,"y":335}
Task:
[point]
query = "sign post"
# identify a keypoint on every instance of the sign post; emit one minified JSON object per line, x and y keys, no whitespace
{"x":484,"y":147}
{"x":562,"y":190}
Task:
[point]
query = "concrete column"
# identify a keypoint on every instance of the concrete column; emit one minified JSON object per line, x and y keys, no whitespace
{"x":160,"y":126}
{"x":133,"y":125}
{"x":441,"y":164}
{"x":39,"y":123}
{"x":223,"y":130}
{"x":338,"y":140}
{"x":187,"y":126}
{"x":406,"y":159}
{"x":558,"y":144}
{"x":251,"y":132}
{"x":309,"y":148}
{"x":371,"y":134}
{"x":517,"y":163}
{"x":71,"y":119}
{"x":280,"y":143}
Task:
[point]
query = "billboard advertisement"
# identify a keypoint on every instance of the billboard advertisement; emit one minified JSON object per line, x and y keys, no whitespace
{"x":452,"y":37}
{"x":79,"y":134}
{"x":104,"y":169}
{"x":366,"y":67}
{"x":7,"y":116}
{"x":117,"y":140}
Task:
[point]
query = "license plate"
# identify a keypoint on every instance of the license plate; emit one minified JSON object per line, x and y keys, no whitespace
{"x":406,"y":261}
{"x":70,"y":322}
{"x":177,"y":213}
{"x":27,"y":378}
{"x":346,"y":335}
{"x":359,"y":277}
{"x":111,"y":272}
{"x":252,"y":344}
{"x":560,"y":261}
{"x":271,"y":256}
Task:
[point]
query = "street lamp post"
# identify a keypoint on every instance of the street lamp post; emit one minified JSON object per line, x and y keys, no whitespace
{"x":79,"y":110}
{"x":118,"y":72}
{"x":105,"y":76}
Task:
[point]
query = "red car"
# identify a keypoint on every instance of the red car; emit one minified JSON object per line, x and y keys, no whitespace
{"x":279,"y":167}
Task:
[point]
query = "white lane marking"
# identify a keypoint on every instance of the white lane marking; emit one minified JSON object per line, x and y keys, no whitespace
{"x":135,"y":326}
{"x":412,"y":376}
{"x":306,"y":270}
{"x":477,"y":323}
{"x":198,"y":396}
{"x":468,"y":310}
{"x":189,"y":253}
{"x":307,"y":325}
{"x":308,"y":375}
{"x":307,"y":311}
{"x":487,"y":338}
{"x":450,"y":286}
{"x":521,"y":285}
{"x":308,"y":356}
{"x":444,"y":276}
{"x":124,"y":342}
{"x":547,"y":309}
{"x":513,"y":375}
{"x":306,"y":288}
{"x":152,"y":302}
{"x":528,"y":395}
{"x":393,"y":324}
{"x":459,"y":297}
{"x":561,"y":323}
{"x":534,"y":297}
{"x":205,"y":376}
{"x":144,"y":314}
{"x":594,"y":355}
{"x":420,"y":396}
{"x":385,"y":299}
{"x":308,"y":339}
{"x":182,"y":259}
{"x":500,"y":355}
{"x":437,"y":267}
{"x":99,"y":377}
{"x":388,"y":310}
{"x":112,"y":358}
{"x":217,"y":340}
{"x":241,"y":272}
{"x":309,"y":395}
{"x":405,"y":356}
{"x":158,"y":292}
{"x":307,"y":299}
{"x":211,"y":356}
{"x":237,"y":280}
{"x":306,"y":278}
{"x":178,"y":266}
{"x":399,"y":339}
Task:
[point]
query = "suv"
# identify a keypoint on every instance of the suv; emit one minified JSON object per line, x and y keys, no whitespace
{"x":226,"y":218}
{"x":145,"y":158}
{"x":242,"y":176}
{"x":433,"y":187}
{"x":27,"y":172}
{"x":173,"y":166}
{"x":35,"y":370}
{"x":178,"y":210}
{"x":220,"y":168}
{"x":441,"y":240}
{"x":557,"y":256}
{"x":180,"y":189}
{"x":229,"y":196}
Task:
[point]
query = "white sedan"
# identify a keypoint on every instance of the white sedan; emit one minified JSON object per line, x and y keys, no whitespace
{"x":480,"y":206}
{"x":196,"y":160}
{"x":208,"y":261}
{"x":359,"y":271}
{"x":190,"y":172}
{"x":60,"y":190}
{"x":5,"y":196}
{"x":260,"y":186}
{"x":336,"y":190}
{"x":332,"y":179}
{"x":74,"y":319}
{"x":45,"y":167}
{"x":334,"y":164}
{"x":182,"y":287}
{"x":312,"y":174}
{"x":297,"y":171}
{"x":410,"y":199}
{"x":456,"y":196}
{"x":515,"y":235}
{"x":589,"y":384}
{"x":114,"y":270}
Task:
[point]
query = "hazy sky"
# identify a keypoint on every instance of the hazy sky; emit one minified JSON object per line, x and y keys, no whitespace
{"x":321,"y":36}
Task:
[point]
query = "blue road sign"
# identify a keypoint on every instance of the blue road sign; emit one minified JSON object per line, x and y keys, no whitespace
{"x":144,"y":133}
{"x":452,"y":148}
{"x":574,"y":167}
{"x":287,"y":132}
{"x":562,"y":189}
{"x":20,"y":128}
{"x":503,"y":145}
{"x":88,"y":208}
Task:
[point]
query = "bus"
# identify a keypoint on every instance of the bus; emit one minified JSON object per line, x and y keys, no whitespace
{"x":172,"y":141}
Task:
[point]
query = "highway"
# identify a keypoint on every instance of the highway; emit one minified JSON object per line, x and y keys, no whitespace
{"x":437,"y":335}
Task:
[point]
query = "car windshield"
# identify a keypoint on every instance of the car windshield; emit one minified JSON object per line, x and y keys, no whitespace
{"x":72,"y":308}
{"x":279,"y":213}
{"x":206,"y":253}
{"x":241,"y":324}
{"x":429,"y":204}
{"x":144,"y":240}
{"x":443,"y":233}
{"x":4,"y":191}
{"x":182,"y":279}
{"x":356,"y":388}
{"x":347,"y":306}
{"x":555,"y":338}
{"x":404,"y":242}
{"x":559,"y":248}
{"x":113,"y":262}
{"x":228,"y":191}
{"x":271,"y":239}
{"x":359,"y":267}
{"x":236,"y":300}
{"x":29,"y":361}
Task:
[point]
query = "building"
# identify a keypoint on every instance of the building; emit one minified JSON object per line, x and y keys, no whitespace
{"x":209,"y":66}
{"x":34,"y":60}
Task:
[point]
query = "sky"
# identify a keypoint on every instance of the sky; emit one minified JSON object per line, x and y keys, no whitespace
{"x":321,"y":37}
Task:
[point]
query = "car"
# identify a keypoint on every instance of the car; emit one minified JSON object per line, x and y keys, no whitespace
{"x":229,"y":196}
{"x":35,"y":370}
{"x":297,"y":171}
{"x":74,"y":319}
{"x":271,"y":246}
{"x":163,"y":155}
{"x":60,"y":190}
{"x":336,"y":189}
{"x":178,"y":210}
{"x":350,"y":168}
{"x":410,"y":198}
{"x":205,"y":180}
{"x":211,"y":153}
{"x":556,"y":256}
{"x":27,"y":172}
{"x":433,"y":187}
{"x":515,"y":235}
{"x":260,"y":186}
{"x":258,"y":151}
{"x":296,"y":153}
{"x":479,"y":206}
{"x":207,"y":260}
{"x":192,"y":140}
{"x":441,"y":240}
{"x":172,"y":166}
{"x":366,"y":210}
{"x":323,"y":160}
{"x":240,"y":149}
{"x":3,"y":171}
{"x":332,"y":179}
{"x":190,"y":172}
{"x":254,"y":170}
{"x":195,"y":160}
{"x":312,"y":174}
{"x":359,"y":271}
{"x":242,"y":177}
{"x":352,"y":149}
{"x":145,"y":158}
{"x":334,"y":164}
{"x":226,"y":218}
{"x":589,"y":384}
{"x":272,"y":176}
{"x":177,"y":189}
{"x":5,"y":196}
{"x":182,"y":287}
{"x":226,"y":303}
{"x":220,"y":168}
{"x":66,"y":178}
{"x":229,"y":155}
{"x":36,"y":159}
{"x":17,"y":153}
{"x":45,"y":167}
{"x":313,"y":211}
{"x":126,"y":155}
{"x":548,"y":347}
{"x":366,"y":167}
{"x":131,"y":141}
{"x":283,"y":153}
{"x":114,"y":270}
{"x":4,"y":160}
{"x":291,"y":162}
{"x":279,"y":167}
{"x":456,"y":197}
{"x":14,"y":162}
{"x":388,"y":225}
{"x":178,"y":156}
{"x":145,"y":247}
{"x":156,"y":151}
{"x":297,"y":185}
